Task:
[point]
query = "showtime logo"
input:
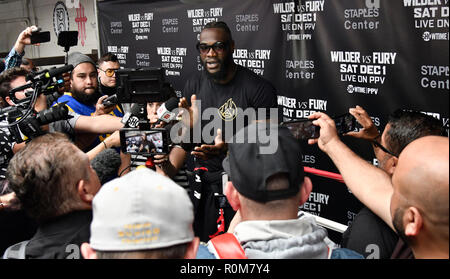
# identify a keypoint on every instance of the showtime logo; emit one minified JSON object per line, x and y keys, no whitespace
{"x":361,"y":90}
{"x":427,"y":36}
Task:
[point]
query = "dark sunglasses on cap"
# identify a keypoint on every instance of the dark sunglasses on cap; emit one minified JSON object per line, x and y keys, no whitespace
{"x":109,"y":72}
{"x":218,"y":47}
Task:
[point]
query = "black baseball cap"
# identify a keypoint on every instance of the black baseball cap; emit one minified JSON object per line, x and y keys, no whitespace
{"x":258,"y":152}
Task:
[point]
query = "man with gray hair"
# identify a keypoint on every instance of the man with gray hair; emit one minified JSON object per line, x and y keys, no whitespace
{"x":154,"y":219}
{"x":55,"y":185}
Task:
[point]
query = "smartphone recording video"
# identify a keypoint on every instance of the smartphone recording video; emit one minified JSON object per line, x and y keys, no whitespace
{"x":147,"y":142}
{"x":345,"y":123}
{"x":303,"y":129}
{"x":40,"y":37}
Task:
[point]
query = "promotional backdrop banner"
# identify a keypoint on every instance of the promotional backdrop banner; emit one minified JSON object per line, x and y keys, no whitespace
{"x":321,"y":55}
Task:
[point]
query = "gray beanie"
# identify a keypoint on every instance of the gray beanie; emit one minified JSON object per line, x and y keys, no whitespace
{"x":76,"y":58}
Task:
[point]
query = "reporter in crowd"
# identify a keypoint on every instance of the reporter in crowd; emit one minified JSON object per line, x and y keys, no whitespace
{"x":28,"y":65}
{"x":16,"y":223}
{"x":402,"y":128}
{"x":107,"y":65}
{"x":85,"y":99}
{"x":266,"y":187}
{"x":414,"y":202}
{"x":78,"y":124}
{"x":144,"y":227}
{"x":172,"y":164}
{"x":56,"y":192}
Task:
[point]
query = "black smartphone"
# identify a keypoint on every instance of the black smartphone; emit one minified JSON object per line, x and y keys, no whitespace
{"x":144,"y":142}
{"x":302,"y":129}
{"x":345,"y":123}
{"x":40,"y":37}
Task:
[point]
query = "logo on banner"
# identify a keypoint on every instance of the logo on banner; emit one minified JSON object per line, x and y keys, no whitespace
{"x":201,"y":17}
{"x":170,"y":25}
{"x":432,"y":16}
{"x":81,"y":21}
{"x":140,"y":24}
{"x":363,"y":19}
{"x":316,"y":203}
{"x":299,"y":69}
{"x":298,"y":20}
{"x":172,"y":59}
{"x":300,"y":109}
{"x":253,"y":60}
{"x":247,"y":23}
{"x":60,"y":18}
{"x":363,"y":69}
{"x":116,"y":27}
{"x":121,"y":53}
{"x":435,"y":77}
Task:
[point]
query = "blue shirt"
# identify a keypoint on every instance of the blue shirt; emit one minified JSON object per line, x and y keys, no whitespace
{"x":87,"y":110}
{"x":14,"y":59}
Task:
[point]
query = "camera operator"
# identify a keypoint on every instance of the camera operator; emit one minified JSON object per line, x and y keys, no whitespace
{"x":16,"y":77}
{"x":9,"y":79}
{"x":85,"y":99}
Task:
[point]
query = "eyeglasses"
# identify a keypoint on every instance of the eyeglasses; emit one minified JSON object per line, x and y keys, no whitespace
{"x":218,"y":47}
{"x":109,"y":72}
{"x":377,"y":144}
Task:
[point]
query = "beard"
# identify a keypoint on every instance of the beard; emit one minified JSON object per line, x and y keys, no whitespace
{"x":225,"y":66}
{"x":87,"y":99}
{"x":397,"y":222}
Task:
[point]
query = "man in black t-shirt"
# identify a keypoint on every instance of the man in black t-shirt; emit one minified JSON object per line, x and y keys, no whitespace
{"x":227,"y":97}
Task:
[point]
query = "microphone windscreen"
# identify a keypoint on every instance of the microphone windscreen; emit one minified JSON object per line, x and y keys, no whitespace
{"x":171,"y":104}
{"x":106,"y":164}
{"x":138,"y":110}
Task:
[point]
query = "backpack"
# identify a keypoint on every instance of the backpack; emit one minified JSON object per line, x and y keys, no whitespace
{"x":226,"y":246}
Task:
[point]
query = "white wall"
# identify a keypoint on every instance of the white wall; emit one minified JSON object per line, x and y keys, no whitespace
{"x":17,"y":15}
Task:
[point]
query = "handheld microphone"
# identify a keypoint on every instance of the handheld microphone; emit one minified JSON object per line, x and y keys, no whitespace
{"x":131,"y":119}
{"x":106,"y":164}
{"x":165,"y":113}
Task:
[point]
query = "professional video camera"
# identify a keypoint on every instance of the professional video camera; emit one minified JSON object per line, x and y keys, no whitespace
{"x":140,"y":86}
{"x":23,"y":122}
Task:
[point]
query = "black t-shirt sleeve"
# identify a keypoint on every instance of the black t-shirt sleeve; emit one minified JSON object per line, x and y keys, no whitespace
{"x":190,"y":88}
{"x":264,"y":96}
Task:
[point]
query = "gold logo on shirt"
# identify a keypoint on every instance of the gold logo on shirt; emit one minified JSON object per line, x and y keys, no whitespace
{"x":228,"y":111}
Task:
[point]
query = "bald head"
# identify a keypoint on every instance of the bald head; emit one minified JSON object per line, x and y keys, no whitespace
{"x":422,"y":177}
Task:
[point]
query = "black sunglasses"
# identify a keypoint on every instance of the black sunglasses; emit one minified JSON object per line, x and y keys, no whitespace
{"x":218,"y":47}
{"x":377,"y":144}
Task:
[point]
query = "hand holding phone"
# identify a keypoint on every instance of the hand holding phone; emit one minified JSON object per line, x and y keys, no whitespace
{"x":144,"y":142}
{"x":304,"y":129}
